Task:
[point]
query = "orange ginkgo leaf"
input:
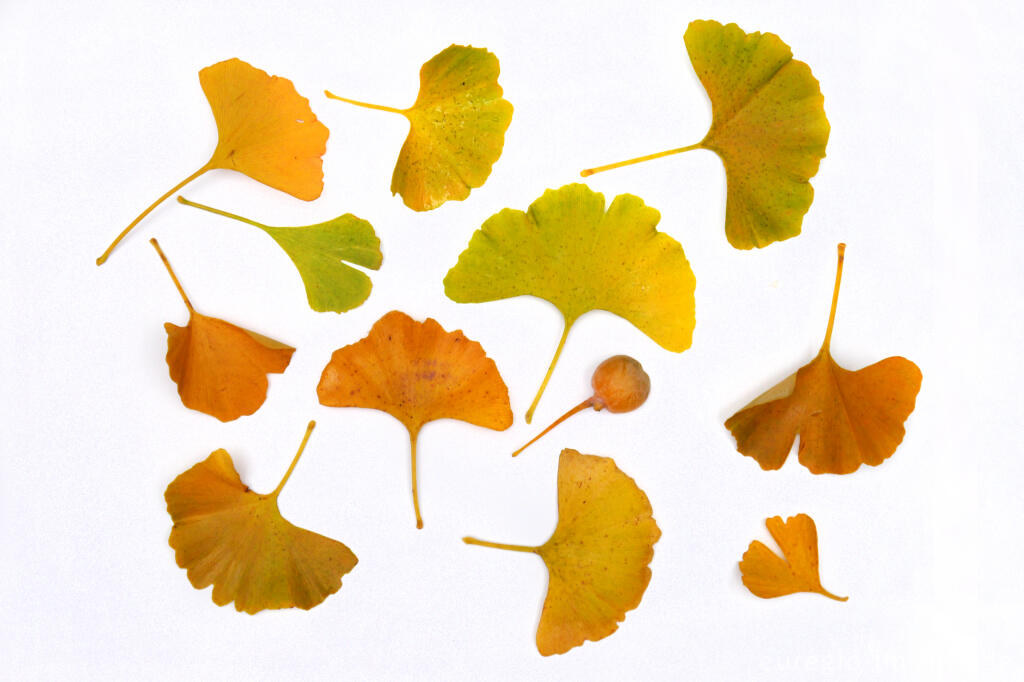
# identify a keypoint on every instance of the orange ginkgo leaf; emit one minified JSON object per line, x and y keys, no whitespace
{"x":221,"y":369}
{"x":844,"y":418}
{"x":767,"y":575}
{"x":598,"y":556}
{"x":230,"y":537}
{"x":266,"y":131}
{"x":417,"y":372}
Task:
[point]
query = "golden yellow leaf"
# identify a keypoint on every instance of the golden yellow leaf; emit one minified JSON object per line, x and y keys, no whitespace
{"x":230,"y":537}
{"x":598,"y":556}
{"x":221,"y":369}
{"x":417,"y":372}
{"x":844,"y":418}
{"x":767,"y":575}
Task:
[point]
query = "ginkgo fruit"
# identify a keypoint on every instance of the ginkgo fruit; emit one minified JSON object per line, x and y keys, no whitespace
{"x":768,"y":575}
{"x":235,"y":539}
{"x":569,"y":251}
{"x":456,"y":128}
{"x":417,"y":372}
{"x":266,"y":131}
{"x":844,"y":418}
{"x":768,"y":127}
{"x":220,"y":368}
{"x":620,"y":385}
{"x":598,"y":556}
{"x":320,"y":253}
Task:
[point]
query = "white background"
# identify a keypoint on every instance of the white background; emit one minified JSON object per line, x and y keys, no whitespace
{"x":102,"y":111}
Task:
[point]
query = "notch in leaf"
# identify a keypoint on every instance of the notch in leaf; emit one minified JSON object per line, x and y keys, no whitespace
{"x":266,"y":131}
{"x":230,"y":537}
{"x":220,"y":368}
{"x":319,"y":253}
{"x":598,"y":556}
{"x":768,"y":127}
{"x":844,"y":418}
{"x":456,"y":128}
{"x":768,"y":575}
{"x":417,"y":372}
{"x":567,"y":250}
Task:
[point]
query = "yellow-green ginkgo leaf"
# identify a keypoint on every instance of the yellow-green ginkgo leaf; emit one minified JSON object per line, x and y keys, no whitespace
{"x":768,"y":126}
{"x":567,"y":250}
{"x":457,"y":128}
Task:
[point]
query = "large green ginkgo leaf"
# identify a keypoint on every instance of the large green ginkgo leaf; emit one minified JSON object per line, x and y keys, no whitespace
{"x":567,"y":250}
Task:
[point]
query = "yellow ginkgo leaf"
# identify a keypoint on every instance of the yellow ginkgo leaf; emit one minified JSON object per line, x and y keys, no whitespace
{"x":768,"y":575}
{"x":768,"y":127}
{"x":567,"y":250}
{"x":598,"y":556}
{"x":457,"y":128}
{"x":266,"y":131}
{"x":230,"y":537}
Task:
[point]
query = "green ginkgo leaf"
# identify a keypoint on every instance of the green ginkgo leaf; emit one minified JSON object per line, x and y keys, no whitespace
{"x":567,"y":250}
{"x":456,"y":128}
{"x":321,"y":253}
{"x":768,"y":127}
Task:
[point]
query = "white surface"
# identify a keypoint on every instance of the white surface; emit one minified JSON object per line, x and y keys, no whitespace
{"x":102,"y":111}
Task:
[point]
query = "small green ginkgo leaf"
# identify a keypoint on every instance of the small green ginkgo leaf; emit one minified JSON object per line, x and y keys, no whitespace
{"x":568,"y":250}
{"x":321,"y":252}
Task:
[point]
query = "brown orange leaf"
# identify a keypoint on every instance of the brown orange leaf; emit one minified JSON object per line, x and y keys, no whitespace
{"x":230,"y":537}
{"x":767,"y":575}
{"x":844,"y":418}
{"x":598,"y":556}
{"x":417,"y":372}
{"x":221,"y":369}
{"x":266,"y":131}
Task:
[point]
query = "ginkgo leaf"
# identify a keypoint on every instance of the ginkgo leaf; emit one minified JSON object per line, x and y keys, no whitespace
{"x":844,"y":418}
{"x":598,"y":556}
{"x":319,"y":252}
{"x":221,"y":369}
{"x":456,"y":128}
{"x":417,"y":372}
{"x":768,"y":127}
{"x":567,"y":250}
{"x":230,"y":537}
{"x":266,"y":131}
{"x":767,"y":575}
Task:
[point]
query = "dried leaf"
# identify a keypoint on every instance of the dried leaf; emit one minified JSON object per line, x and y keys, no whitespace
{"x":319,"y":252}
{"x":266,"y":131}
{"x":568,"y":251}
{"x":227,"y":536}
{"x":598,"y":556}
{"x":221,"y":369}
{"x":417,"y":372}
{"x":768,"y":126}
{"x":767,"y":575}
{"x":844,"y":418}
{"x":457,"y":128}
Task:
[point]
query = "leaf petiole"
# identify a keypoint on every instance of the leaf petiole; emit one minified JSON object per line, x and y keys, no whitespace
{"x":639,"y":159}
{"x":499,"y":545}
{"x":551,"y":368}
{"x":413,"y":436}
{"x":835,"y":297}
{"x":378,"y":107}
{"x":183,"y":200}
{"x":174,"y":277}
{"x":295,"y":460}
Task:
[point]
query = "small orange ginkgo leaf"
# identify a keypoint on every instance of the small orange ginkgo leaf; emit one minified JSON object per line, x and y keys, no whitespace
{"x":266,"y":131}
{"x":230,"y":537}
{"x":844,"y":418}
{"x":767,"y":575}
{"x":221,"y":369}
{"x":598,"y":556}
{"x":417,"y":372}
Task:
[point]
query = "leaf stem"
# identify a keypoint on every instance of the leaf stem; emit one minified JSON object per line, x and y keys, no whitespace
{"x":413,"y":435}
{"x":193,"y":204}
{"x":106,"y":254}
{"x":639,"y":159}
{"x":378,"y":107}
{"x":499,"y":545}
{"x":835,"y":298}
{"x":295,"y":460}
{"x":174,"y":277}
{"x":589,"y":402}
{"x":551,"y":368}
{"x":828,"y":594}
